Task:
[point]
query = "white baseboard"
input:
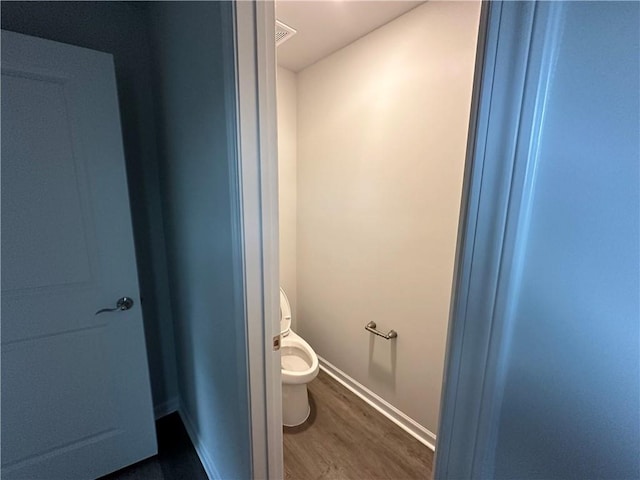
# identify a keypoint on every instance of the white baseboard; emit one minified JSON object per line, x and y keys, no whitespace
{"x":405,"y":422}
{"x":205,"y":459}
{"x":165,"y":408}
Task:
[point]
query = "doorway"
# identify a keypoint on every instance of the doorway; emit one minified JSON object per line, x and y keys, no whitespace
{"x":372,"y":143}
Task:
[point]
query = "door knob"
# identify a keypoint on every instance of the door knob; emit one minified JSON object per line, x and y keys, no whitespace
{"x":124,"y":303}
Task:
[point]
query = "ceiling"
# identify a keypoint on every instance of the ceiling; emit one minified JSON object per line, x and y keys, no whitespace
{"x":328,"y":25}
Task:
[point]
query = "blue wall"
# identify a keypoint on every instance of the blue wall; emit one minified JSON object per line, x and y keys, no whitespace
{"x":193,"y":50}
{"x":121,"y":29}
{"x":170,"y":59}
{"x":571,"y":403}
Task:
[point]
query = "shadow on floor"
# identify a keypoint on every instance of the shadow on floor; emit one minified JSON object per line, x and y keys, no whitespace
{"x":176,"y":459}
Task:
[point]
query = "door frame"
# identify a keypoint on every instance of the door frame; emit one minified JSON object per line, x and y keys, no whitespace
{"x":255,"y":118}
{"x":516,"y":49}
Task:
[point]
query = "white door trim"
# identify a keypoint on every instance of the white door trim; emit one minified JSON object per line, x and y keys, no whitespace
{"x":256,"y":121}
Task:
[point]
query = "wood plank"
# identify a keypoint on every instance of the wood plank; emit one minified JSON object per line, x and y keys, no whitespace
{"x":345,"y":438}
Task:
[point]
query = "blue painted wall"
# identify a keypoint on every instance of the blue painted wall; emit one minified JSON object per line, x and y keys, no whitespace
{"x":571,"y":403}
{"x":193,"y":50}
{"x":121,"y":29}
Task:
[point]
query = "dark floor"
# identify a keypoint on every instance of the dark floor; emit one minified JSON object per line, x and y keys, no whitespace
{"x":347,"y":439}
{"x":176,"y":459}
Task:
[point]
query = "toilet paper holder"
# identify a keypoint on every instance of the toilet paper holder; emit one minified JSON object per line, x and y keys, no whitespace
{"x":371,"y":327}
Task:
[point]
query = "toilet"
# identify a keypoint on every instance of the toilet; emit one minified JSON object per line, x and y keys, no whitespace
{"x":299,"y":365}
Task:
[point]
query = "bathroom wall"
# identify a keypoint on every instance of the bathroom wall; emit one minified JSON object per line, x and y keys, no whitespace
{"x":193,"y":48}
{"x":287,"y":192}
{"x":382,"y":130}
{"x":571,"y":400}
{"x":120,"y":29}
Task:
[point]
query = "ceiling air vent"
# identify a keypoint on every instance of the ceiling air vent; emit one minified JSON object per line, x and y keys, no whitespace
{"x":283,"y":33}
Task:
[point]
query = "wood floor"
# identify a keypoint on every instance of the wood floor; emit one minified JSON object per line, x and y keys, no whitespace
{"x":346,"y":439}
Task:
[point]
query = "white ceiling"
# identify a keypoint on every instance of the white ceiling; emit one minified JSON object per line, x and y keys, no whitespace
{"x":328,"y":25}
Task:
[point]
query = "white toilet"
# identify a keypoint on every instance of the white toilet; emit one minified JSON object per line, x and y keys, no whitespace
{"x":299,"y":366}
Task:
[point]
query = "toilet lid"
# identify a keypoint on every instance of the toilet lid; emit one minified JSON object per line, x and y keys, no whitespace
{"x":285,"y":314}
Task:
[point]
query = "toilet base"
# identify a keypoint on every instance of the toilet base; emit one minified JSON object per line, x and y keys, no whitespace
{"x":295,"y":404}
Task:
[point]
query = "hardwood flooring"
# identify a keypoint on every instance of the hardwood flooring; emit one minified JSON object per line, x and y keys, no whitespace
{"x":346,"y":439}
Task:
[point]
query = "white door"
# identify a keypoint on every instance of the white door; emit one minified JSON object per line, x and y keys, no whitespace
{"x":76,"y":401}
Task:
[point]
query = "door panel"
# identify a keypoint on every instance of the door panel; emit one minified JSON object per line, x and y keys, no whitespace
{"x":76,"y":399}
{"x":82,"y":352}
{"x":47,"y":242}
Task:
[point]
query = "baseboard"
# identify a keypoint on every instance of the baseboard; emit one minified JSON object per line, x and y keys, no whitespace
{"x":165,"y":408}
{"x":405,"y":422}
{"x":205,"y":459}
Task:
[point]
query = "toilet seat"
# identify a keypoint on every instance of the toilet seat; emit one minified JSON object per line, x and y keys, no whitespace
{"x":299,"y":363}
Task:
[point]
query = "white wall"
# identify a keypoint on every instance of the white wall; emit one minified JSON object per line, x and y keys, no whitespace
{"x":287,"y":146}
{"x":382,"y":128}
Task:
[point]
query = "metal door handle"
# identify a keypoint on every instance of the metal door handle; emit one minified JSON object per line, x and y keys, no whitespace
{"x":124,"y":303}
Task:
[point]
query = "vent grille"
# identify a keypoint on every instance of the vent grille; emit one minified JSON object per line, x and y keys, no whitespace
{"x":283,"y":33}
